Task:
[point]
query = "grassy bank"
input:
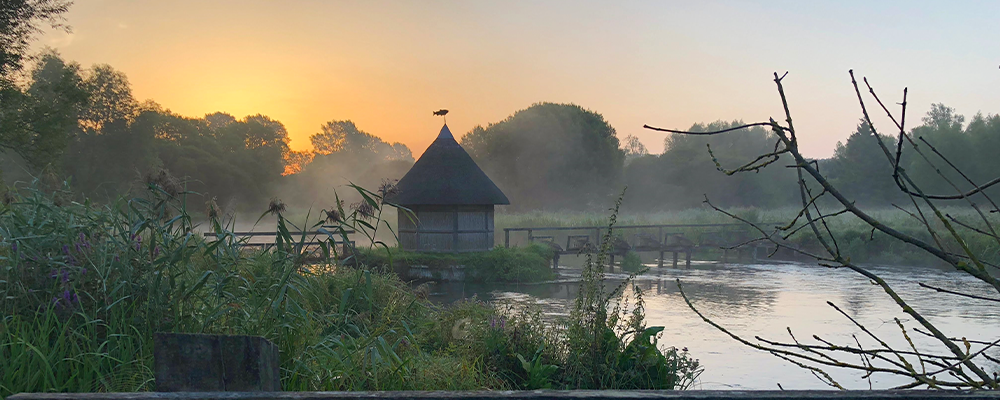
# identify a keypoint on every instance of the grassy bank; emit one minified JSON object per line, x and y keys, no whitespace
{"x":531,"y":263}
{"x":85,"y":286}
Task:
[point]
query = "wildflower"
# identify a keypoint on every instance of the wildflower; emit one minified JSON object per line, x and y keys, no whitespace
{"x":70,"y":297}
{"x":275,"y":206}
{"x":65,"y":276}
{"x":156,"y":251}
{"x":65,"y":249}
{"x":13,"y":247}
{"x":84,"y":271}
{"x":7,"y":197}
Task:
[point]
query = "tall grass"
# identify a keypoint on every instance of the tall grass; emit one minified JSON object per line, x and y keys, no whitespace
{"x":85,"y":286}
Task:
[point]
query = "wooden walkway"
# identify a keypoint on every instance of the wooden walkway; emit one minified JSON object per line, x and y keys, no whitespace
{"x":311,"y":241}
{"x":661,"y":238}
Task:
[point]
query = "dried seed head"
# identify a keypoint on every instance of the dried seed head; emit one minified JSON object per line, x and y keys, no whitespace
{"x":212,"y":208}
{"x":162,"y":179}
{"x":364,"y":209}
{"x":332,"y":216}
{"x":8,"y":197}
{"x":388,"y":188}
{"x":275,"y":206}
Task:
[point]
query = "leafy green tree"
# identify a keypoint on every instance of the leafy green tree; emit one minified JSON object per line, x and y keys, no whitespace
{"x":342,"y":153}
{"x":686,"y":172}
{"x":39,"y":122}
{"x":550,"y":155}
{"x":111,"y":98}
{"x":20,"y":21}
{"x":859,"y":167}
{"x":633,"y":148}
{"x":343,"y":137}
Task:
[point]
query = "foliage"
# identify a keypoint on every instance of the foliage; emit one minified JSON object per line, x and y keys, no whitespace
{"x":609,"y":344}
{"x":686,"y":172}
{"x":550,"y":155}
{"x":19,"y":23}
{"x":86,"y":286}
{"x":632,"y":262}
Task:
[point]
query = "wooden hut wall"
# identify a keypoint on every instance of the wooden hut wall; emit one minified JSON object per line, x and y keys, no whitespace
{"x":448,"y":229}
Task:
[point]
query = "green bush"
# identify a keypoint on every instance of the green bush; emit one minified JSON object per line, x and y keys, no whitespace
{"x":632,"y":262}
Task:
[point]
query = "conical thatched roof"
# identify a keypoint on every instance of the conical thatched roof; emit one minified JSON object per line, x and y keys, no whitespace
{"x":445,"y":174}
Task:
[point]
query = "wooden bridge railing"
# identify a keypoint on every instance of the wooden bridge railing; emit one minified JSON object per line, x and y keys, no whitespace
{"x":669,"y":238}
{"x":312,"y":238}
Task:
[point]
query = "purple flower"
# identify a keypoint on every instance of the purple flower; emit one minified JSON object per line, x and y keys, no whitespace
{"x":84,"y":271}
{"x":116,"y":258}
{"x":66,"y":249}
{"x":156,"y":251}
{"x":54,"y":274}
{"x":13,"y":247}
{"x":70,"y":297}
{"x":65,"y":276}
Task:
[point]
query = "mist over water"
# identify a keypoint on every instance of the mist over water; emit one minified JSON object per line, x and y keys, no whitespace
{"x":765,"y":299}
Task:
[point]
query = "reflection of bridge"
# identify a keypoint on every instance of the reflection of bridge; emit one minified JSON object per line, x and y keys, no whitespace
{"x":663,"y":238}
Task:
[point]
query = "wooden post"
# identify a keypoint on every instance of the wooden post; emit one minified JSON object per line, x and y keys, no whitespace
{"x":661,"y":258}
{"x":675,"y":259}
{"x":506,"y":237}
{"x":611,"y":266}
{"x":687,"y":257}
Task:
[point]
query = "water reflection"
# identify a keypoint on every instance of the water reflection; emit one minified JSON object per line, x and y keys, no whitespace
{"x":766,"y":300}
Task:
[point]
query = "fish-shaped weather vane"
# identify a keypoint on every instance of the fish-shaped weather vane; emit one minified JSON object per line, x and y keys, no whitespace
{"x":442,"y":113}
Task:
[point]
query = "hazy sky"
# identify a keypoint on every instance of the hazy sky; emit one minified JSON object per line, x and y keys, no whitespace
{"x":388,"y":65}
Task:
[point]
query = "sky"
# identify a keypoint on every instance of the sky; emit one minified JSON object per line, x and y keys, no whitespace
{"x":386,"y":65}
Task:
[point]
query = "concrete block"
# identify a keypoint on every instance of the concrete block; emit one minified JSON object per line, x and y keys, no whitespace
{"x":185,"y":362}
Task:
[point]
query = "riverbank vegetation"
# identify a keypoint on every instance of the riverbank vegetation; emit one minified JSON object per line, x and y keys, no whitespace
{"x":85,"y":286}
{"x":519,"y":264}
{"x":854,"y":235}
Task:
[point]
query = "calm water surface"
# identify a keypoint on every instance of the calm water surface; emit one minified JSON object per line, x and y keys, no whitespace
{"x":766,"y":299}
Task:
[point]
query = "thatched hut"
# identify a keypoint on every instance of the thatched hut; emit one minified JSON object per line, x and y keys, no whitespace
{"x":452,"y":199}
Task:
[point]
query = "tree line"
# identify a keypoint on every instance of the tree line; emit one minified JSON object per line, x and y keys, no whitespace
{"x":84,"y":125}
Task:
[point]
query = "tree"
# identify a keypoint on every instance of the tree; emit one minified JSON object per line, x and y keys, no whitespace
{"x":550,"y":155}
{"x":39,"y":122}
{"x":20,"y":21}
{"x":859,"y":168}
{"x":111,"y":98}
{"x":957,"y":362}
{"x":343,"y":154}
{"x":688,"y":170}
{"x":633,"y":148}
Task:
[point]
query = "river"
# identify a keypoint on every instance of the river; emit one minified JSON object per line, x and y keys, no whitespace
{"x":766,"y":299}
